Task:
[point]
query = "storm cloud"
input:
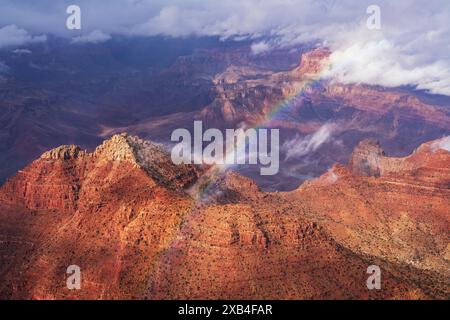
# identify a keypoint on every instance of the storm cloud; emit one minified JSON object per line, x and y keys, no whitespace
{"x":411,"y":48}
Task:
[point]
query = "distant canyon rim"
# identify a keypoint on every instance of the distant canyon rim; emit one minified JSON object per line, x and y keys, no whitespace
{"x":222,"y":84}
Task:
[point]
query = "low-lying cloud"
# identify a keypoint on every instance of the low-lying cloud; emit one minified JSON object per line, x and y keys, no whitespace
{"x":302,"y":146}
{"x":443,"y":144}
{"x":260,"y":47}
{"x":22,"y":51}
{"x":95,"y":36}
{"x":11,"y":36}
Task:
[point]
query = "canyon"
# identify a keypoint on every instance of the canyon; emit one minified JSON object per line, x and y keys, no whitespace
{"x":88,"y":179}
{"x":222,"y":84}
{"x":141,"y":227}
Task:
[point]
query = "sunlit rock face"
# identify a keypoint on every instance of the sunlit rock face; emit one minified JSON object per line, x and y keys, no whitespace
{"x":141,"y":227}
{"x":395,"y":208}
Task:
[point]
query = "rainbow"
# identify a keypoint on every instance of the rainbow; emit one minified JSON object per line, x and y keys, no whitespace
{"x":203,"y":191}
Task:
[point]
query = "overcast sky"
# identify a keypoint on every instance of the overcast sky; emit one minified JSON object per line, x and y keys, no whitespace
{"x":411,"y":48}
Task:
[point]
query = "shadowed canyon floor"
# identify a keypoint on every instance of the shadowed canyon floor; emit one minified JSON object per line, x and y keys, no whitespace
{"x":127,"y":216}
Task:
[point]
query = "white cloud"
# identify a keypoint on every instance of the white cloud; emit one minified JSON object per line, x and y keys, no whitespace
{"x":301,"y":146}
{"x":330,"y":177}
{"x":174,"y":21}
{"x":260,"y":47}
{"x":22,"y":51}
{"x":381,"y":62}
{"x":95,"y":36}
{"x":12,"y":35}
{"x":443,"y":144}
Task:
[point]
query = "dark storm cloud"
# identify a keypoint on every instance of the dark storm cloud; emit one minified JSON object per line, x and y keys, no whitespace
{"x":411,"y":47}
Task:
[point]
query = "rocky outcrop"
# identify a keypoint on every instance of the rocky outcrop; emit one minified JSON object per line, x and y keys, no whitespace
{"x":135,"y":236}
{"x":118,"y":148}
{"x":366,"y":158}
{"x":427,"y":165}
{"x":61,"y":176}
{"x":313,"y":62}
{"x":64,"y":153}
{"x":393,"y":208}
{"x":379,"y":101}
{"x":244,"y":94}
{"x":148,"y":156}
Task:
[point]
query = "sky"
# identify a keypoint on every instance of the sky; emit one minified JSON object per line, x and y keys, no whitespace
{"x":411,"y":47}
